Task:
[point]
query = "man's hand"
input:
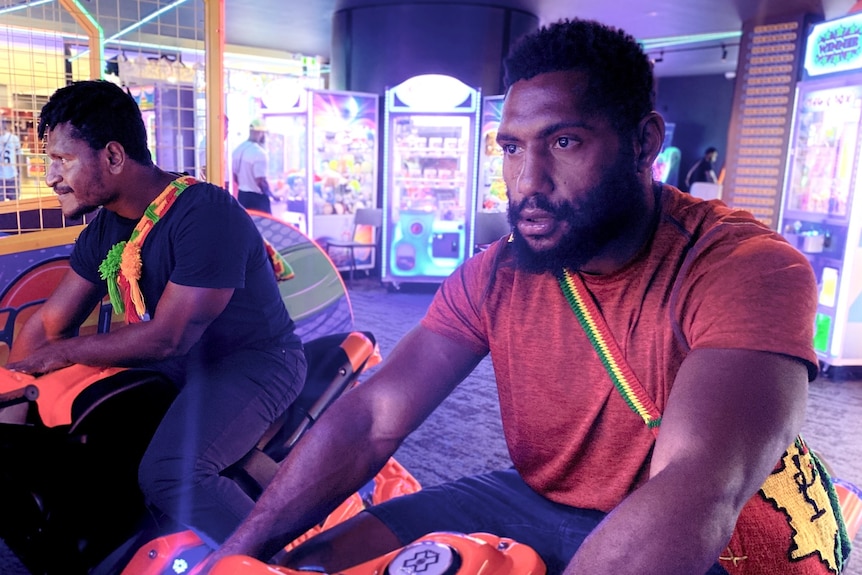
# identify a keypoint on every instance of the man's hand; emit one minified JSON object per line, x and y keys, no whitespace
{"x":43,"y":360}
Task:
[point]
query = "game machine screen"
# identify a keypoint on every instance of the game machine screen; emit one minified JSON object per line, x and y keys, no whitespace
{"x":665,"y":169}
{"x":492,"y":188}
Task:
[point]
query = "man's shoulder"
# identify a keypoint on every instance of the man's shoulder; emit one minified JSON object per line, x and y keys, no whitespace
{"x":728,"y":236}
{"x":259,"y":150}
{"x":206,"y":193}
{"x":246,"y":147}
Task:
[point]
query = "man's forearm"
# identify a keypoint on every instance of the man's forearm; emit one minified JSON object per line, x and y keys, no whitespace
{"x":128,"y":346}
{"x":660,"y":529}
{"x":264,"y":188}
{"x":34,"y":335}
{"x":324,"y":469}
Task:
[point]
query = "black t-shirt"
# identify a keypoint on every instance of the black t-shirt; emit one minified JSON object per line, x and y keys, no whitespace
{"x":699,"y":171}
{"x":206,"y":239}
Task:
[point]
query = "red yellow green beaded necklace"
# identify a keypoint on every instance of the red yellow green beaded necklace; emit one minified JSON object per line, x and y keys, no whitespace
{"x":606,"y":347}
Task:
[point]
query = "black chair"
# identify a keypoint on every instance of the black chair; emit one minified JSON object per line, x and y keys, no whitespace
{"x":490,"y":227}
{"x":362,"y":217}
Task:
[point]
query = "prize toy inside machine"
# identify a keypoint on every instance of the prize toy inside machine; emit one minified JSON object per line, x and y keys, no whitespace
{"x":821,"y":212}
{"x":344,"y":138}
{"x":286,"y":117}
{"x":429,"y":177}
{"x":492,"y":188}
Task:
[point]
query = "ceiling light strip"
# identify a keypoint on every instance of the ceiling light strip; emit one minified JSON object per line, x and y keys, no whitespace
{"x":672,"y":41}
{"x":23,"y":6}
{"x":148,"y":18}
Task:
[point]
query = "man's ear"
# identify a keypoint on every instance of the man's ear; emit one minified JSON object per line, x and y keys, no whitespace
{"x":116,"y":156}
{"x":650,"y":137}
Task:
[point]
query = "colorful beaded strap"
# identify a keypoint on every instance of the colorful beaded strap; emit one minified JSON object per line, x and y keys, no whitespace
{"x":612,"y":358}
{"x":122,"y":267}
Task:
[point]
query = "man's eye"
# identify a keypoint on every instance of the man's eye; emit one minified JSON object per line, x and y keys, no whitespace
{"x":563,"y":142}
{"x":509,"y":148}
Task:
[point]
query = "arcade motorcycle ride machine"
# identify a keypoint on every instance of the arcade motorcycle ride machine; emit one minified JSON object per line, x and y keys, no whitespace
{"x":69,"y":479}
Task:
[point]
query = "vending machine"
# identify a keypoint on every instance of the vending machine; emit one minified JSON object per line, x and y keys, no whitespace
{"x":492,"y":188}
{"x":323,"y":161}
{"x":822,"y":203}
{"x":430,"y":172}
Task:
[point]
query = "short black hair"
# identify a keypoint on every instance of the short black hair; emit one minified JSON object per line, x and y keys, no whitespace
{"x":99,"y":112}
{"x":710,"y":150}
{"x":621,"y":82}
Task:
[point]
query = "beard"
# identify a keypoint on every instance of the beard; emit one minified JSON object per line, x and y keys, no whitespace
{"x":605,"y":213}
{"x":76,"y":205}
{"x":80,"y":211}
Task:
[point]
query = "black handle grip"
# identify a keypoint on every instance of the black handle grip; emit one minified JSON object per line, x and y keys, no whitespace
{"x":22,"y":395}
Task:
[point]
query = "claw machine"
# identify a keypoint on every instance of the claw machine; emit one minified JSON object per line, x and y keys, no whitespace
{"x":822,"y":202}
{"x":323,"y":148}
{"x":287,"y":120}
{"x":429,"y":177}
{"x":343,"y":164}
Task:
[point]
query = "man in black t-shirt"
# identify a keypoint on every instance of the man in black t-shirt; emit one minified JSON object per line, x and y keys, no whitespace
{"x":703,"y":170}
{"x":204,"y":308}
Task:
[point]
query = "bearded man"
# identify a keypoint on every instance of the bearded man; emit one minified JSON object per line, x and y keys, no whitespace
{"x":651,"y":351}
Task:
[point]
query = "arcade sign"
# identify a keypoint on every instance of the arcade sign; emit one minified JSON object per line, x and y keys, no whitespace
{"x":834,"y":46}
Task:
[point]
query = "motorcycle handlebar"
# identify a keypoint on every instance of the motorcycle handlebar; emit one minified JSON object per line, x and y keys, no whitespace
{"x":22,"y":395}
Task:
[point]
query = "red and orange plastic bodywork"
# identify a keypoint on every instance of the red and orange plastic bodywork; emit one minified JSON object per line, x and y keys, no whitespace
{"x":161,"y":555}
{"x":434,"y":554}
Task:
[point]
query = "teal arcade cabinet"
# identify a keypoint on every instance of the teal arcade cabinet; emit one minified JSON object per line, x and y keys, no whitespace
{"x":429,"y":178}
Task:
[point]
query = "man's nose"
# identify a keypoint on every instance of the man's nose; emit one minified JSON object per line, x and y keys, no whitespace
{"x":532,"y":176}
{"x":52,"y":175}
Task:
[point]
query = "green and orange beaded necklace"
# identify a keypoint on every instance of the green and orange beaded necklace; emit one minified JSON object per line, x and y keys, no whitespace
{"x":121,"y":268}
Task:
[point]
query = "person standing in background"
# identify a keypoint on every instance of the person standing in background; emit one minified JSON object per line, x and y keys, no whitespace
{"x":250,"y":161}
{"x":704,"y":169}
{"x":10,"y":149}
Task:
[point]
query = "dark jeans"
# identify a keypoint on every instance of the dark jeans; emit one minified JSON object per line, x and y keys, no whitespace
{"x":9,"y":189}
{"x":222,"y":411}
{"x":254,"y":201}
{"x":499,"y":503}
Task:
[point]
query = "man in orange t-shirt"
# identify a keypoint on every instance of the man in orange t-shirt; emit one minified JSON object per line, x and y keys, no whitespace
{"x":675,"y":458}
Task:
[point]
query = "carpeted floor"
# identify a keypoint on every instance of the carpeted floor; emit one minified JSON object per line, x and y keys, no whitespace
{"x":463,"y":436}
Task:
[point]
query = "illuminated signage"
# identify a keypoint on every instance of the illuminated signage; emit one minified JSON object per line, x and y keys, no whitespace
{"x":834,"y":46}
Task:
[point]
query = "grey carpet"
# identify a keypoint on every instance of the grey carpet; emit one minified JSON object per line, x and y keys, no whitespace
{"x":463,"y":436}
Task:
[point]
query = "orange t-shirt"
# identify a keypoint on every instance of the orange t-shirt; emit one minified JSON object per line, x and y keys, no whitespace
{"x":711,"y":277}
